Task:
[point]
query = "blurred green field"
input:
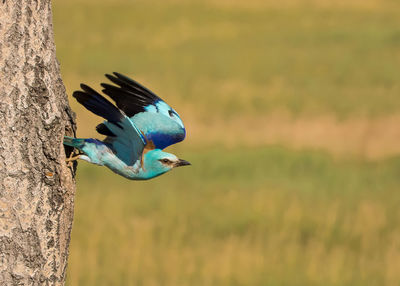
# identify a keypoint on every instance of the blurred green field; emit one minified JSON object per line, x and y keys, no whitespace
{"x":292,"y":218}
{"x":292,"y":110}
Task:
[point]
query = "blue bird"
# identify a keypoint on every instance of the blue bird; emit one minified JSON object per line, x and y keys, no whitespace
{"x":137,"y":129}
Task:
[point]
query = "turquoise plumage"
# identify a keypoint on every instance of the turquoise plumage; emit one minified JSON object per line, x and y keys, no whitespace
{"x":137,"y":129}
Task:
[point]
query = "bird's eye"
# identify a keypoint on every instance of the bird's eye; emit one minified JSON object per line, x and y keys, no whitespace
{"x":165,"y":161}
{"x":171,"y":113}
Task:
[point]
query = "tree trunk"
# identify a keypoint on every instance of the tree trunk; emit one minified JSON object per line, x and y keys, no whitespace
{"x":36,"y":186}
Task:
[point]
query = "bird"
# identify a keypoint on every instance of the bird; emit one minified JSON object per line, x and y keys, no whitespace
{"x":137,"y":129}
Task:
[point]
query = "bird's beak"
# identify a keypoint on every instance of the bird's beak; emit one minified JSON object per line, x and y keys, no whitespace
{"x":182,"y":163}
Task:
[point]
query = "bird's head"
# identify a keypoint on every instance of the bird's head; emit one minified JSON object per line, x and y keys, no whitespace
{"x":157,"y":162}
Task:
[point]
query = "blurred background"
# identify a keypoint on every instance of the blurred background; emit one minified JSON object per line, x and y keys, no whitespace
{"x":292,"y":110}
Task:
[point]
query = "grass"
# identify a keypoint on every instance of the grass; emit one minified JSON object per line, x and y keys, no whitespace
{"x":247,"y":212}
{"x":267,"y":216}
{"x":304,"y":59}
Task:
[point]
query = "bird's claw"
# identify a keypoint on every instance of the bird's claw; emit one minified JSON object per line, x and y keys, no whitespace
{"x":72,"y":157}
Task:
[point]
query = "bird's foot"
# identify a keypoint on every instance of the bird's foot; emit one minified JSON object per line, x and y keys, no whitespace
{"x":73,"y":157}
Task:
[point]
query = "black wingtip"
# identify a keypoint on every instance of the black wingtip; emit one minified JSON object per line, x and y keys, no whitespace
{"x":102,"y":129}
{"x":97,"y":104}
{"x":109,"y":76}
{"x":104,"y":85}
{"x":75,"y":93}
{"x":129,"y":95}
{"x":88,"y":89}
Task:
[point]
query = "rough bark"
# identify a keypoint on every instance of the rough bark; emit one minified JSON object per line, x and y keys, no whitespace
{"x":36,"y":186}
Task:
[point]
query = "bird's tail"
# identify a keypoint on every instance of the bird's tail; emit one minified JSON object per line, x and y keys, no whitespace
{"x":74,"y":142}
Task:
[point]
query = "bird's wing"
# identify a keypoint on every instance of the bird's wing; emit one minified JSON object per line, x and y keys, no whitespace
{"x":127,"y":141}
{"x":157,"y":120}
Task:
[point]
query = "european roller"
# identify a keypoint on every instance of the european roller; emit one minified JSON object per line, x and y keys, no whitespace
{"x":137,"y":128}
